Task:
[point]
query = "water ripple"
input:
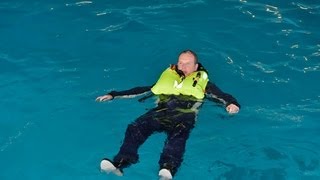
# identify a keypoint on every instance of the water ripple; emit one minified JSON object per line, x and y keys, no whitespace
{"x":133,"y":11}
{"x":12,"y":139}
{"x":312,"y":9}
{"x":138,"y":16}
{"x":80,"y":3}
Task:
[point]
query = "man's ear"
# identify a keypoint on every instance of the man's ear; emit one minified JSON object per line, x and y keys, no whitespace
{"x":197,"y":65}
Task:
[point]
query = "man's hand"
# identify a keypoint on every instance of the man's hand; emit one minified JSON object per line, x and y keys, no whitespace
{"x":104,"y":98}
{"x":232,"y":109}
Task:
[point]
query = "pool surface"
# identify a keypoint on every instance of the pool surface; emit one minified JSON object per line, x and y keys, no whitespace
{"x":56,"y":57}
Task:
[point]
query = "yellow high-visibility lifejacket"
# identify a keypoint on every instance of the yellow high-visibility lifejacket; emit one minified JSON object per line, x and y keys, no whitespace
{"x":170,"y":83}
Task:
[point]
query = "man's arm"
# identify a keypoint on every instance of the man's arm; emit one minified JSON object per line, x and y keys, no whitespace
{"x":216,"y":94}
{"x":125,"y":94}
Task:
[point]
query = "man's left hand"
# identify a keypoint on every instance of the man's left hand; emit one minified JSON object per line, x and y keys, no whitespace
{"x":232,"y":109}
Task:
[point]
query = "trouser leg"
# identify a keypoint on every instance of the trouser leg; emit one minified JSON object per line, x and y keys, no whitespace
{"x":173,"y":151}
{"x":136,"y":134}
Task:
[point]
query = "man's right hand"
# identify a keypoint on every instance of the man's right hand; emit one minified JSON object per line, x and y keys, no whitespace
{"x":104,"y":98}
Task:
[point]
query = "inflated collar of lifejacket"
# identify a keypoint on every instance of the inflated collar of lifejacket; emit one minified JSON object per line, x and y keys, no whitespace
{"x":181,"y":74}
{"x":175,"y":67}
{"x":201,"y":68}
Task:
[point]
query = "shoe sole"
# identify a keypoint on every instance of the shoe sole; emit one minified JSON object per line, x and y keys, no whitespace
{"x":108,"y":167}
{"x":165,"y":174}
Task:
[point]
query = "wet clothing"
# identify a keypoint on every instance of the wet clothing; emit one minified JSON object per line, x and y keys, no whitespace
{"x":212,"y":93}
{"x":175,"y":115}
{"x":177,"y":125}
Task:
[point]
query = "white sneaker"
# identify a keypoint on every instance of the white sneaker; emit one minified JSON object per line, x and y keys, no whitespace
{"x":165,"y":174}
{"x":108,"y":167}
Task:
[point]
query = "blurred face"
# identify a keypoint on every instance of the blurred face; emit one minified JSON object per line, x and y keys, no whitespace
{"x":187,"y":63}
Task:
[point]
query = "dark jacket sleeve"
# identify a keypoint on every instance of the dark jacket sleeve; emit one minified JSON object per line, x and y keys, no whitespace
{"x":131,"y":92}
{"x":214,"y":93}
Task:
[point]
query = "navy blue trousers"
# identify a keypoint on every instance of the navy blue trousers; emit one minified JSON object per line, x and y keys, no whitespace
{"x":176,"y":124}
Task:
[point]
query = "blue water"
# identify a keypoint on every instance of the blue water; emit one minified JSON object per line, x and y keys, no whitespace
{"x":56,"y":57}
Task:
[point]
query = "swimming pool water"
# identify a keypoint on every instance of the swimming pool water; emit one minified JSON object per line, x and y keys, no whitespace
{"x":57,"y":57}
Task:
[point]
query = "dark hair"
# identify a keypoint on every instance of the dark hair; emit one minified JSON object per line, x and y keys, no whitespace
{"x":191,"y":52}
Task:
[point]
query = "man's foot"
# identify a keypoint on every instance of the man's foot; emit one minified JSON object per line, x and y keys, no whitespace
{"x":165,"y":174}
{"x":107,"y":166}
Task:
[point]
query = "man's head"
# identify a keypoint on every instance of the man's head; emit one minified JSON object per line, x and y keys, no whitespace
{"x":187,"y":62}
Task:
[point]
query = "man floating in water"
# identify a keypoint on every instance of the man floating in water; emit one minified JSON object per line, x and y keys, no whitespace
{"x":181,"y":90}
